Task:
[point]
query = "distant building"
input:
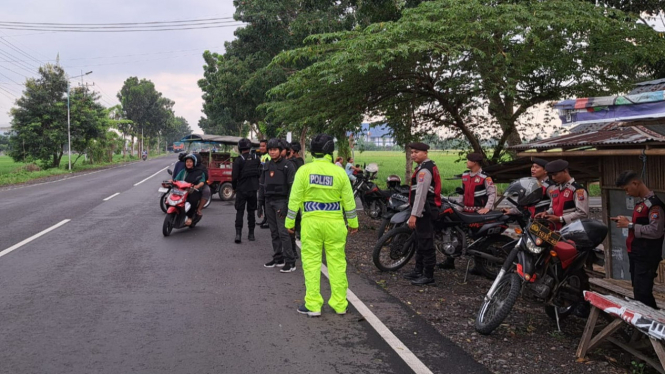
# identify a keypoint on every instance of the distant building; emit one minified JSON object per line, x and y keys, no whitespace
{"x":5,"y":130}
{"x":377,"y":135}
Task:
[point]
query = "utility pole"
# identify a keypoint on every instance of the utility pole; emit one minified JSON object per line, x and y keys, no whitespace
{"x":69,"y":134}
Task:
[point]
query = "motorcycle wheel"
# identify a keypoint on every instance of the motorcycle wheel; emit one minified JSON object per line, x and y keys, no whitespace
{"x":207,"y":204}
{"x":385,"y":226}
{"x":394,"y":249}
{"x":494,"y":311}
{"x":167,"y":227}
{"x":493,"y":246}
{"x":162,"y":202}
{"x":578,"y":280}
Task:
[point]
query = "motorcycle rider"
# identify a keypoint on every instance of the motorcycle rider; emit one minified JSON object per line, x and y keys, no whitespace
{"x":351,"y":170}
{"x":245,"y":183}
{"x":276,"y":180}
{"x":205,"y":190}
{"x":177,"y":168}
{"x":537,"y":171}
{"x":323,"y":192}
{"x":264,"y":157}
{"x":645,"y":236}
{"x":425,"y":201}
{"x":569,"y":201}
{"x":479,"y":196}
{"x":195,"y":176}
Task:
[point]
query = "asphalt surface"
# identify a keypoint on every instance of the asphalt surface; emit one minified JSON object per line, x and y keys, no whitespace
{"x":107,"y":293}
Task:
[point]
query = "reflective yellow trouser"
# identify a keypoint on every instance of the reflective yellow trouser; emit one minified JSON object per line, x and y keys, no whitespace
{"x":316,"y":234}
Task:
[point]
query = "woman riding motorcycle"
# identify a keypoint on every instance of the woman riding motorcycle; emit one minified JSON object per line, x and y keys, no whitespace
{"x":194,"y":175}
{"x":206,"y":194}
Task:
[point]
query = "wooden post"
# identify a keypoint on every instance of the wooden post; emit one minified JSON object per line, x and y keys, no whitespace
{"x":583,"y":347}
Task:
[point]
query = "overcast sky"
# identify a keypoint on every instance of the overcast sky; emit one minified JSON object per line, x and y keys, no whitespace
{"x":171,"y":59}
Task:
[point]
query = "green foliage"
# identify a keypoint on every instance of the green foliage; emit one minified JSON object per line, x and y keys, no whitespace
{"x":4,"y":143}
{"x":474,"y":67}
{"x":145,"y":107}
{"x":39,"y":120}
{"x":178,"y":129}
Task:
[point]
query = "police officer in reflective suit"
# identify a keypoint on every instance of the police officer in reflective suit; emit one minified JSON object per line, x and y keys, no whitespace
{"x":276,"y":180}
{"x":245,"y":183}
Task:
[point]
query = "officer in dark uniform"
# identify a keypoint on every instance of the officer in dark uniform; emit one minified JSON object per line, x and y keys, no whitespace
{"x":645,"y":236}
{"x":276,"y":180}
{"x":425,"y":201}
{"x":264,"y":157}
{"x":245,"y":183}
{"x":569,"y":201}
{"x":295,"y":155}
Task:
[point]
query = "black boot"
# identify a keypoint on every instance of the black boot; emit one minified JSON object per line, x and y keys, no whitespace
{"x":413,"y":275}
{"x":448,"y":263}
{"x":238,"y":235}
{"x":251,"y":234}
{"x":425,"y":279}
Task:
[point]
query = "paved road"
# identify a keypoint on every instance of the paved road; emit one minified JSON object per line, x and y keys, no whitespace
{"x":107,"y":293}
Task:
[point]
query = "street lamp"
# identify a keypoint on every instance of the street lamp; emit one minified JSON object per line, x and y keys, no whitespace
{"x":69,"y":135}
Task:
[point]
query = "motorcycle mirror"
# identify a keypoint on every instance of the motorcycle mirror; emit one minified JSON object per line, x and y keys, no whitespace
{"x":459,"y":190}
{"x":169,"y":171}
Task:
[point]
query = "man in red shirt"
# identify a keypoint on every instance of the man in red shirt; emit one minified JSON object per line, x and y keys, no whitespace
{"x":569,"y":201}
{"x":645,"y":236}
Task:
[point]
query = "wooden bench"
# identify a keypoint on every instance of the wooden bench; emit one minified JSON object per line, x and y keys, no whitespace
{"x":644,"y":319}
{"x":623,"y":288}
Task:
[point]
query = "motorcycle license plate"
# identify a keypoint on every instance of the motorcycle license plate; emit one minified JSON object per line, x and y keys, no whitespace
{"x":543,"y":232}
{"x":163,"y":190}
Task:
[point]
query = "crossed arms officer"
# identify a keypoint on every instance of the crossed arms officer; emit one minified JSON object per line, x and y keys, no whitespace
{"x":569,"y":201}
{"x":323,"y":192}
{"x":645,"y":236}
{"x":276,"y":180}
{"x":425,"y":201}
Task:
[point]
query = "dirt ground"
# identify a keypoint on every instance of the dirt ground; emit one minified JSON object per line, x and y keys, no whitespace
{"x":527,"y":342}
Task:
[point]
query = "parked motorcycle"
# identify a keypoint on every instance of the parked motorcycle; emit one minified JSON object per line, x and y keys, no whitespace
{"x":165,"y":189}
{"x":543,"y":264}
{"x":373,"y":199}
{"x":457,"y":234}
{"x":398,"y":202}
{"x":144,"y":157}
{"x":176,"y":214}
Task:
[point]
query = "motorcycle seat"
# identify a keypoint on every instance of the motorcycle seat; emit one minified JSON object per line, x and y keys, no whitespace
{"x":479,"y":218}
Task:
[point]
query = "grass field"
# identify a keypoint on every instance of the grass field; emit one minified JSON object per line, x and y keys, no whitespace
{"x":13,"y":172}
{"x":394,"y":162}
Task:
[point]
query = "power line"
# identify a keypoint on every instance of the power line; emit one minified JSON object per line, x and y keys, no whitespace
{"x":133,"y":55}
{"x":10,"y":44}
{"x":96,"y":27}
{"x":119,"y":23}
{"x":125,"y":30}
{"x":13,"y":71}
{"x":8,"y":92}
{"x":129,"y":62}
{"x":18,"y":63}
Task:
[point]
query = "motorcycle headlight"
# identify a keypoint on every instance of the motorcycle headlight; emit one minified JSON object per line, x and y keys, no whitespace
{"x":532,"y":247}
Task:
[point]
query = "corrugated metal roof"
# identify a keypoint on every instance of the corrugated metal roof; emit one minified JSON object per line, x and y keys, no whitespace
{"x":650,"y":86}
{"x":612,"y":134}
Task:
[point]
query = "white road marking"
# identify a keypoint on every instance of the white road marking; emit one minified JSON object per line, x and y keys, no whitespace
{"x":112,"y":196}
{"x":136,"y":184}
{"x":393,"y":341}
{"x":28,"y":240}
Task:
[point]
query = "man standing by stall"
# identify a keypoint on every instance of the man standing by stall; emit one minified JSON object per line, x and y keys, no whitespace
{"x":645,"y":236}
{"x":425,"y":201}
{"x":245,"y":183}
{"x":323,"y":192}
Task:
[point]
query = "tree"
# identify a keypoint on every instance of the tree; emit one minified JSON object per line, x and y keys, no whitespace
{"x":178,"y":129}
{"x":475,"y":67}
{"x":4,"y":143}
{"x":89,"y":119}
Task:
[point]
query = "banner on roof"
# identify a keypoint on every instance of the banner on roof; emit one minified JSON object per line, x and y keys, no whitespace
{"x":643,"y":106}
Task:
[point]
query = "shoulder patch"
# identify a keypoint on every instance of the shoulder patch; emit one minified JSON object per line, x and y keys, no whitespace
{"x":421,"y":176}
{"x":489,"y":180}
{"x":654,"y":216}
{"x":321,"y":180}
{"x":580,"y":195}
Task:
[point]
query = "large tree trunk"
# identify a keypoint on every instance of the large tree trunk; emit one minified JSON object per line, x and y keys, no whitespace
{"x":408,"y":170}
{"x":303,"y":141}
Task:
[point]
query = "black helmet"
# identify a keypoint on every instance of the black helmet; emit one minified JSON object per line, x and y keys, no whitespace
{"x":193,"y":158}
{"x":285,"y":144}
{"x":586,"y":233}
{"x":181,"y":156}
{"x":525,"y":191}
{"x":274,"y":143}
{"x":295,"y":146}
{"x":322,"y":144}
{"x":244,"y":143}
{"x":393,"y":181}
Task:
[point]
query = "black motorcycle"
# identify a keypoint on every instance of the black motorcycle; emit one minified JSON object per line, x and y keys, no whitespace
{"x":543,"y":264}
{"x":398,"y":202}
{"x":457,"y":234}
{"x":373,"y":199}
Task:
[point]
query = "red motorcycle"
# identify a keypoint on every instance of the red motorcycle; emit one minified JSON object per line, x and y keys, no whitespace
{"x":176,"y":213}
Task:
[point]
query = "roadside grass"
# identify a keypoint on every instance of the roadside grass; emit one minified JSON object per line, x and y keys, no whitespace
{"x":14,"y":172}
